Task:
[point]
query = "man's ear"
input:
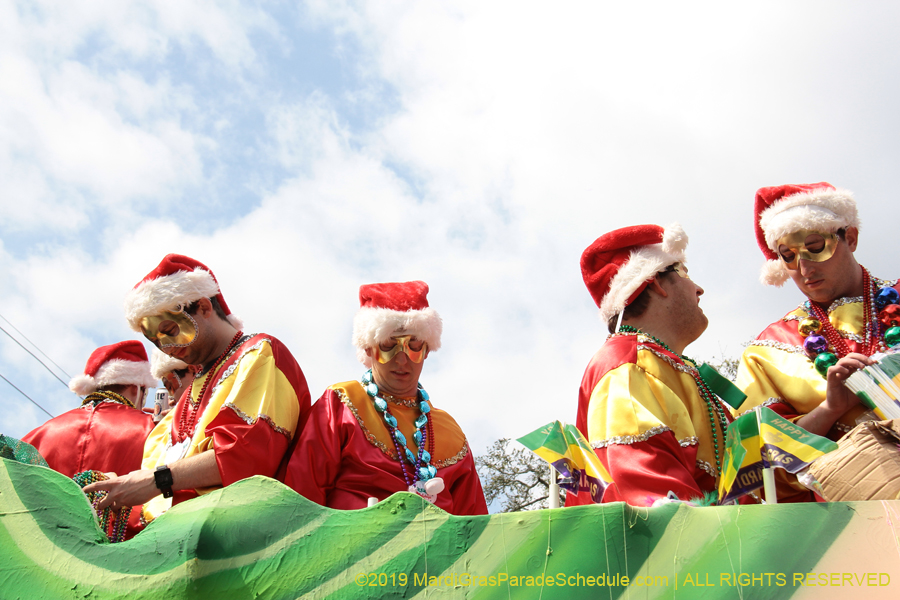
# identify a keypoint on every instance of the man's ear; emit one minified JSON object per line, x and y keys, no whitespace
{"x":655,"y":287}
{"x":369,"y":352}
{"x":851,"y":236}
{"x":204,"y":307}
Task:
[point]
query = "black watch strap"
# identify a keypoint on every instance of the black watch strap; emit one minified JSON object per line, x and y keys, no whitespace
{"x":164,"y":481}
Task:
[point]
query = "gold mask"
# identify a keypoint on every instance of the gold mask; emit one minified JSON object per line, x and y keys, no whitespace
{"x":413,"y":348}
{"x":170,"y":329}
{"x":809,"y":245}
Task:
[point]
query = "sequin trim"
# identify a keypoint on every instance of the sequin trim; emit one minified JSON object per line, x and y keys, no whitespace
{"x":778,"y":346}
{"x":842,"y":428}
{"x":439,"y":464}
{"x":677,"y":365}
{"x":772,"y":401}
{"x":691,"y":441}
{"x":705,"y":466}
{"x":251,"y":421}
{"x":631,"y":439}
{"x":369,"y":435}
{"x":407,"y":402}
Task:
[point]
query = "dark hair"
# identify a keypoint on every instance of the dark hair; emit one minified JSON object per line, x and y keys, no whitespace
{"x":191,"y":308}
{"x":639,"y":305}
{"x":842,"y":233}
{"x":116,"y":388}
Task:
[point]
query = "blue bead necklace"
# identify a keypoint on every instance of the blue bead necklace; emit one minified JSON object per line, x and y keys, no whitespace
{"x":421,"y":478}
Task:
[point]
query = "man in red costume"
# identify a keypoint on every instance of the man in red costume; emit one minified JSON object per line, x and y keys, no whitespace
{"x":797,"y":366}
{"x":381,"y":435}
{"x":107,"y":432}
{"x":643,"y":407}
{"x":240,"y":413}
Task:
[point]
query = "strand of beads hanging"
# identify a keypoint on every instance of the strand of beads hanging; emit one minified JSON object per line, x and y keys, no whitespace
{"x":881,"y":323}
{"x":418,"y":472}
{"x":713,"y":407}
{"x":113,"y":523}
{"x":105,"y":396}
{"x":187,"y":422}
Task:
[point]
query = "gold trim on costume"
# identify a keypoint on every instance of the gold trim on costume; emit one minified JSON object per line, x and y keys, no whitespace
{"x":440,"y":464}
{"x":631,"y":439}
{"x":678,"y":366}
{"x":778,"y":346}
{"x":250,"y":420}
{"x":705,"y":466}
{"x":772,"y":401}
{"x":407,"y":402}
{"x":345,"y":400}
{"x":691,"y":441}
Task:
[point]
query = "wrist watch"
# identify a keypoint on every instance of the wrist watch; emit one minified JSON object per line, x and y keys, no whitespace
{"x":164,"y":481}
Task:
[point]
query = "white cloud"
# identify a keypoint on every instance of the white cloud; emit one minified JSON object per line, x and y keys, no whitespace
{"x":514,"y":137}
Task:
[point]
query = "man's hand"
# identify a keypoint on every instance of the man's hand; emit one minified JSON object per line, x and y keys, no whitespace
{"x":132,"y":489}
{"x":838,"y":398}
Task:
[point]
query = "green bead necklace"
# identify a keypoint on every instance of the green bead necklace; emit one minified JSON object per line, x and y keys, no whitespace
{"x":705,"y":392}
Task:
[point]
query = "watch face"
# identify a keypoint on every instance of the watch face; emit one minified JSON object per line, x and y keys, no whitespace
{"x":163,"y":477}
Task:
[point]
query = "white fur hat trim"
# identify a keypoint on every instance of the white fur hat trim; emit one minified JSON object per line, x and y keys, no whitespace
{"x":168,"y":293}
{"x":823,"y":210}
{"x":643,"y":264}
{"x":371,"y":326}
{"x":114,"y":372}
{"x":161,"y":364}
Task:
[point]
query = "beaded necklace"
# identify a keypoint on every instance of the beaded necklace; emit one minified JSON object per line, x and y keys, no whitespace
{"x":112,"y":523}
{"x":420,"y":476}
{"x":105,"y":396}
{"x":186,"y":423}
{"x":825,"y":345}
{"x":712,"y":406}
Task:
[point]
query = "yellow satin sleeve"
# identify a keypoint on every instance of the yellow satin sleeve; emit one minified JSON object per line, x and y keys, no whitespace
{"x":766,"y":372}
{"x":635,"y":401}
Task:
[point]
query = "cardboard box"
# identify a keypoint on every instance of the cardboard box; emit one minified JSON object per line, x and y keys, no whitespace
{"x":866,"y":466}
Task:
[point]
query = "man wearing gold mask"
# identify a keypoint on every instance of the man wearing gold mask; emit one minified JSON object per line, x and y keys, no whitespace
{"x":239,"y":415}
{"x":797,"y":366}
{"x":380,"y":435}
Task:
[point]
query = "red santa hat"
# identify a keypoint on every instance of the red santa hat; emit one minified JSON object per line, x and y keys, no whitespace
{"x":783,"y":209}
{"x":177,"y":281}
{"x":620,"y":264}
{"x":124,"y":363}
{"x":161,"y":364}
{"x":388,"y":309}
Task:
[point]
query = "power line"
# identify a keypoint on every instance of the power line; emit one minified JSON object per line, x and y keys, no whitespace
{"x":33,"y":355}
{"x":36,"y":346}
{"x":26,"y":395}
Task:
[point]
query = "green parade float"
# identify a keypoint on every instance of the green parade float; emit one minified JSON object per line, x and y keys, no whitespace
{"x":259,"y":539}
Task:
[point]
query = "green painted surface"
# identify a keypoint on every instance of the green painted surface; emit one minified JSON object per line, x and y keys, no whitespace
{"x":258,"y":539}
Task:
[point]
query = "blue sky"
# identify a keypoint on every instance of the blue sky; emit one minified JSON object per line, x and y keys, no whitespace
{"x":302,"y":149}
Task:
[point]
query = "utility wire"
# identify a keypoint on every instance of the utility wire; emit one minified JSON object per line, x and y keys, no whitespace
{"x":26,"y":395}
{"x":36,"y":346}
{"x":33,"y":355}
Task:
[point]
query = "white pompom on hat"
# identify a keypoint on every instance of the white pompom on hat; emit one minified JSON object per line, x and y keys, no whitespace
{"x":124,"y":363}
{"x":177,"y":281}
{"x":620,"y":264}
{"x":388,"y":309}
{"x":783,"y":209}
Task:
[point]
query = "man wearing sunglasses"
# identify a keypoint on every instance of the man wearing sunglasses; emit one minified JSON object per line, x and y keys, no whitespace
{"x":380,"y":434}
{"x":239,"y":415}
{"x":642,"y":406}
{"x":797,"y":366}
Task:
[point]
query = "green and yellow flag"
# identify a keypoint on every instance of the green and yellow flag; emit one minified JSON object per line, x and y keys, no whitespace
{"x":760,"y":439}
{"x":564,"y":447}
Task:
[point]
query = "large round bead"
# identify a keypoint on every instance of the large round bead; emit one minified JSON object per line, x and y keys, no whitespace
{"x":892,"y":336}
{"x":815,"y":343}
{"x":823,"y":361}
{"x":808,"y":326}
{"x":885,"y":296}
{"x":890,"y":315}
